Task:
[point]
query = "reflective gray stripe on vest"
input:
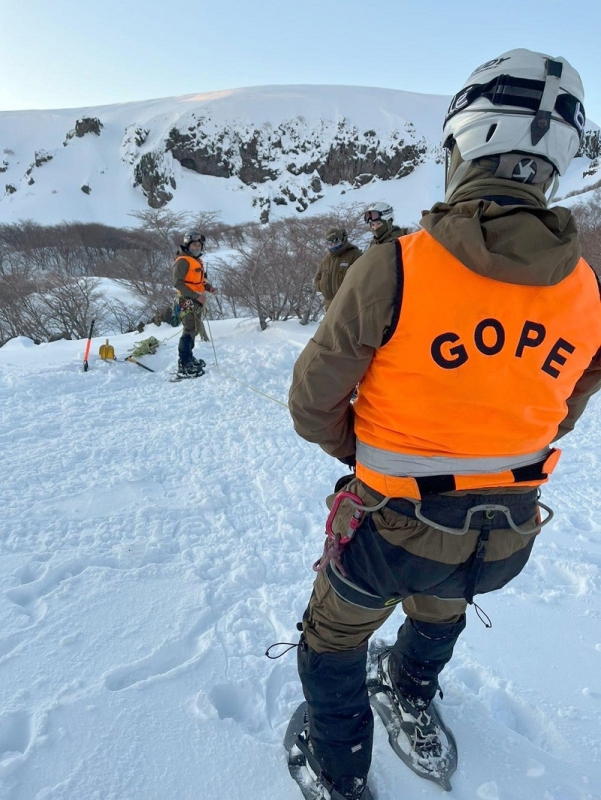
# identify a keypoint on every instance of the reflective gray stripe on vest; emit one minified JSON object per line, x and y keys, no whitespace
{"x":411,"y":466}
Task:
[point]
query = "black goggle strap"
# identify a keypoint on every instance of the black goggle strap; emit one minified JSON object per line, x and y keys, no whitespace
{"x":541,"y":97}
{"x":542,"y":120}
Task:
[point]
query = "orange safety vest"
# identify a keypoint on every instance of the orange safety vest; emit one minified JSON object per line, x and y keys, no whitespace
{"x":195,"y":277}
{"x":471,"y":386}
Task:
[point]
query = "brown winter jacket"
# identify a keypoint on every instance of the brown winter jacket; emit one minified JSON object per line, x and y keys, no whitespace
{"x":333,"y":269}
{"x":518,"y":243}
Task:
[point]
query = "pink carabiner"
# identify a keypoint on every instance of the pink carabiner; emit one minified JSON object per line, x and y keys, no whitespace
{"x":355,"y":520}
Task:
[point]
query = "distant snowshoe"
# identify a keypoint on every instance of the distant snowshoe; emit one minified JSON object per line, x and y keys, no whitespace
{"x":191,"y":369}
{"x":305,"y":769}
{"x":416,"y":733}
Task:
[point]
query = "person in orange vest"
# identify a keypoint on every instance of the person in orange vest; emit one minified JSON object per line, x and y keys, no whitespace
{"x":476,"y":344}
{"x":190,"y":280}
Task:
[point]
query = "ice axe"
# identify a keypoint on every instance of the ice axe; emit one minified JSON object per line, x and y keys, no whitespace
{"x":139,"y":363}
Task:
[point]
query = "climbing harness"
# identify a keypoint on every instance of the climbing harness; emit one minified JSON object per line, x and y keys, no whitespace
{"x":331,"y":559}
{"x":489,"y":509}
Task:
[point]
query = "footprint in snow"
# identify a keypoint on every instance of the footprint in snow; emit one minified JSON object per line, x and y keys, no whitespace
{"x":15,"y":734}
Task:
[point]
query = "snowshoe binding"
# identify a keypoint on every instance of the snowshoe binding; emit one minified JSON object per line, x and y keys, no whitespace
{"x":305,"y":768}
{"x":416,"y":731}
{"x":191,"y":369}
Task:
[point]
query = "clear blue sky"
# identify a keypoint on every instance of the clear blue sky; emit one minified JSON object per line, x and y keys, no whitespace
{"x":73,"y":53}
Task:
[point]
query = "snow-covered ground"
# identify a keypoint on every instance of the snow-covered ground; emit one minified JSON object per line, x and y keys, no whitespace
{"x":157,"y":537}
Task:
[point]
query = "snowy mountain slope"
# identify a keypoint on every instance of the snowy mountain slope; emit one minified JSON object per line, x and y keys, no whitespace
{"x":249,"y":154}
{"x":157,"y":537}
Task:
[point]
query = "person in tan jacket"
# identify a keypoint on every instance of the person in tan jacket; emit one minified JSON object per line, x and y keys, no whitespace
{"x":476,"y":344}
{"x":334,"y":267}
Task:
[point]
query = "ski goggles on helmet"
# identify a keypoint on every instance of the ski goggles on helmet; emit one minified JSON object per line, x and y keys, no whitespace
{"x":201,"y":240}
{"x":507,"y":90}
{"x":372,"y":216}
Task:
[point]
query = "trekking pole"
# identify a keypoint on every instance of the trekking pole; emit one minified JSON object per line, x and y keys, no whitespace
{"x":87,"y":350}
{"x":212,"y":342}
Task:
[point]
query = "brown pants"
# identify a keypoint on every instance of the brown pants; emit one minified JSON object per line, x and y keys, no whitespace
{"x":332,"y":624}
{"x":193,"y":324}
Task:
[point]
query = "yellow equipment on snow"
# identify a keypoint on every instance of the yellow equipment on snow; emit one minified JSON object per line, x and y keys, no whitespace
{"x":107,"y":351}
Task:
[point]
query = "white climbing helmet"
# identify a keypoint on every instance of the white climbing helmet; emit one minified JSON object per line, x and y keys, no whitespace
{"x":523,"y":102}
{"x":378,"y":211}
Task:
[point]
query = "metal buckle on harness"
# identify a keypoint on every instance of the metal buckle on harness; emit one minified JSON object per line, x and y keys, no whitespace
{"x":489,"y":508}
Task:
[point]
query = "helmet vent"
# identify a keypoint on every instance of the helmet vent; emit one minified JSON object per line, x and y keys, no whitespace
{"x":491,"y":132}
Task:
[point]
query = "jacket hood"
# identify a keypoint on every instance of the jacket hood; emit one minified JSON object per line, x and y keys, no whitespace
{"x":512,"y":238}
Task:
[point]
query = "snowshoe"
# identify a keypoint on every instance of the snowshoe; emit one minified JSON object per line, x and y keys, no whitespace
{"x":416,"y":732}
{"x":191,"y":369}
{"x":305,"y":769}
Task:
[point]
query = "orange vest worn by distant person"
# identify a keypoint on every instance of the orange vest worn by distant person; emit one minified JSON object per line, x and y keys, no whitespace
{"x":195,"y":277}
{"x":470,"y":388}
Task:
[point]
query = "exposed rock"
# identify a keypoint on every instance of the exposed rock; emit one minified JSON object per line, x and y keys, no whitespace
{"x":41,"y":157}
{"x":88,"y":125}
{"x":150,"y":174}
{"x":141,"y":134}
{"x":86,"y":189}
{"x":590,"y":146}
{"x":10,"y":189}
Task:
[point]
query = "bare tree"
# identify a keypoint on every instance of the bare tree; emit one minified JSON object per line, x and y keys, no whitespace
{"x":588,"y":219}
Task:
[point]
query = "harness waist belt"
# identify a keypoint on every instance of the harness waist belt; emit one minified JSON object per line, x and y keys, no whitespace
{"x":389,"y":462}
{"x":416,"y":487}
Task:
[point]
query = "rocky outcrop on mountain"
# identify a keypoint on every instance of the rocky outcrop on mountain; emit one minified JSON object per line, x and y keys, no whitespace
{"x":590,"y":146}
{"x":152,"y":176}
{"x":258,"y":153}
{"x":88,"y":125}
{"x":288,"y":163}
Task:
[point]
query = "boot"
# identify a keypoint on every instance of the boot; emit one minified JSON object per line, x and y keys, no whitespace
{"x":189,"y":369}
{"x":340,"y":720}
{"x":416,"y":722}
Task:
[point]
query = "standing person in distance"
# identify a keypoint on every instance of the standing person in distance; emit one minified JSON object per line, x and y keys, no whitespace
{"x":379,"y":217}
{"x":476,"y":343}
{"x":334,"y":267}
{"x":189,"y":278}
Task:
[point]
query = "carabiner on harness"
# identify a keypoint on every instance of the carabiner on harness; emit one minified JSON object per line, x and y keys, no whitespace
{"x":335,"y":542}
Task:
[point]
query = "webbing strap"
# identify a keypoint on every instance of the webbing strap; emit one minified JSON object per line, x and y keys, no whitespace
{"x":418,"y":487}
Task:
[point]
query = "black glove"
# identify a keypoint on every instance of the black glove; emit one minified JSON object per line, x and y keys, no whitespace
{"x":349,"y":461}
